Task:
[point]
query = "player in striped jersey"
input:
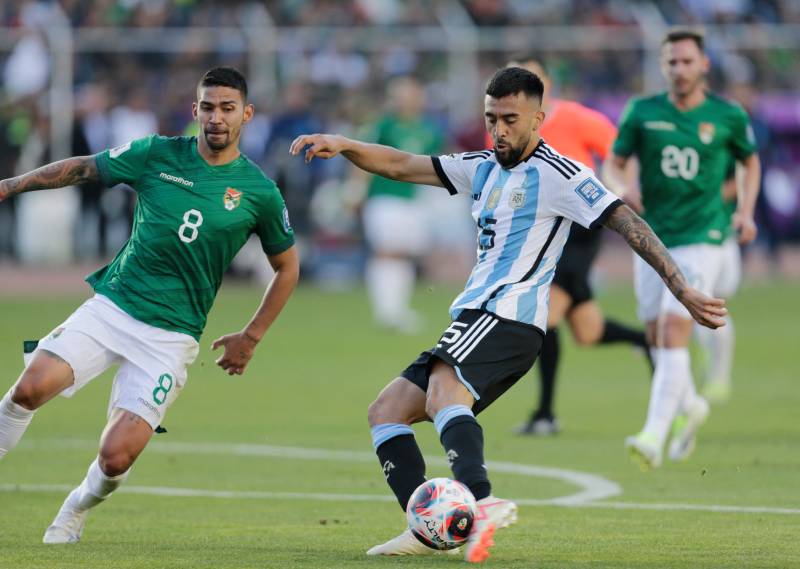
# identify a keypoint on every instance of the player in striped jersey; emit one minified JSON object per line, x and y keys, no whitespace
{"x":525,"y":197}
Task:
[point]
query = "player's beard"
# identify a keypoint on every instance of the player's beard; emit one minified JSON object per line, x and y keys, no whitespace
{"x":512,"y":154}
{"x":687,"y":87}
{"x":216,"y":144}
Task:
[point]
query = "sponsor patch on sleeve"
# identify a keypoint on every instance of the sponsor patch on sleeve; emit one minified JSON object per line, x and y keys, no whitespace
{"x":590,"y":191}
{"x":287,"y":226}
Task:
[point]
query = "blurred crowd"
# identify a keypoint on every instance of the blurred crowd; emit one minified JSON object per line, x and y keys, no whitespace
{"x":159,"y":13}
{"x":343,"y":87}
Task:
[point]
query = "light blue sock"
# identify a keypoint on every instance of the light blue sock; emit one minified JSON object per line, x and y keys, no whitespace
{"x":450,"y":412}
{"x":382,"y":433}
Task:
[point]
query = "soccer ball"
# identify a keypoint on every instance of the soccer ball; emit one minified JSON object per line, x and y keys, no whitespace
{"x":440,"y":513}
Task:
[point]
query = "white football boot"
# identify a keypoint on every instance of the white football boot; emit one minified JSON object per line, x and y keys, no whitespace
{"x":67,"y":526}
{"x":407,"y":544}
{"x":645,"y":451}
{"x":684,"y":430}
{"x":493,"y":514}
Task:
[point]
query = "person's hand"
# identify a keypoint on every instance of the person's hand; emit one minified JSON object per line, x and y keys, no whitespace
{"x":705,"y":310}
{"x":322,"y":145}
{"x":239,"y":348}
{"x":745,"y":227}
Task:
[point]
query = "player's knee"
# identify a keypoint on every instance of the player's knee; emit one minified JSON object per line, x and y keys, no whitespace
{"x":114,"y":462}
{"x":28,"y":392}
{"x":375,"y":413}
{"x":433,"y":405}
{"x":585,"y":338}
{"x":675,"y":332}
{"x":385,"y":410}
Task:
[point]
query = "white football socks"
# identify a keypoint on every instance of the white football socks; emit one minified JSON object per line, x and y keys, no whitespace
{"x":390,"y":284}
{"x":14,"y":420}
{"x":671,"y":380}
{"x":95,"y":488}
{"x":719,"y":346}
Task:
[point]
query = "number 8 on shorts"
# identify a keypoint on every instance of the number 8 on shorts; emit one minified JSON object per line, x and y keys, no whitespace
{"x":165,"y":382}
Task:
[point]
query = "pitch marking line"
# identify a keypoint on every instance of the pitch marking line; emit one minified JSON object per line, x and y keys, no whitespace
{"x":594,"y":489}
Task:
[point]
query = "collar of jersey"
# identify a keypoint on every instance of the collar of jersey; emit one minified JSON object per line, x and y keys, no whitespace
{"x":687,"y":112}
{"x":211,"y":168}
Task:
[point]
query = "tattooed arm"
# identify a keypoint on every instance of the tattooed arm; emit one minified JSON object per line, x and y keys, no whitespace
{"x":707,"y":311}
{"x":56,"y":175}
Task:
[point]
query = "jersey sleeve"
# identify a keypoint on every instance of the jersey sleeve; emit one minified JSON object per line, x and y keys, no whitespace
{"x":124,"y":164}
{"x":273,"y":226}
{"x":584,"y":200}
{"x":743,"y":139}
{"x":457,"y":171}
{"x":627,"y":131}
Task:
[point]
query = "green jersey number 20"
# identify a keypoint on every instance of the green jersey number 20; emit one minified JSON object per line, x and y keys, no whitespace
{"x":192,"y":219}
{"x":680,"y":162}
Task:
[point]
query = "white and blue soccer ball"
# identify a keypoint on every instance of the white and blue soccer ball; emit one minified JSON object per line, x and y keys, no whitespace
{"x":441,"y":512}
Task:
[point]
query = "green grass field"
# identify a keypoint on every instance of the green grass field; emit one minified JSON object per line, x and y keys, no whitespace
{"x":309,"y":387}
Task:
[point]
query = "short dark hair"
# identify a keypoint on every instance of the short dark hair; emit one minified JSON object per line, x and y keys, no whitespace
{"x":680,"y":34}
{"x":512,"y":80}
{"x":224,"y":77}
{"x":526,"y":56}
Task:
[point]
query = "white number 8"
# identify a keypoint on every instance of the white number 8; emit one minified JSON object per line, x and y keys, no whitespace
{"x":189,"y":223}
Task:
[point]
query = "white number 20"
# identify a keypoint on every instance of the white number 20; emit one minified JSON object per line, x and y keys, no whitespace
{"x":192,"y":219}
{"x":677,"y":162}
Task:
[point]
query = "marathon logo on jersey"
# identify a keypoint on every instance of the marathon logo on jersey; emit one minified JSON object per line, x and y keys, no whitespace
{"x":659,"y":125}
{"x":232,"y":198}
{"x":705,"y":130}
{"x":590,"y":191}
{"x":176,"y":180}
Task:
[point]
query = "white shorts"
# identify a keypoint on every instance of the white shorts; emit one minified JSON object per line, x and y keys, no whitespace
{"x":730,"y":273}
{"x":700,"y":264}
{"x":396,"y":225}
{"x":152,"y":362}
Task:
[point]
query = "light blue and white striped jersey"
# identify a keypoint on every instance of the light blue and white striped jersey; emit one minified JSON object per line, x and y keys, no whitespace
{"x":524,"y":215}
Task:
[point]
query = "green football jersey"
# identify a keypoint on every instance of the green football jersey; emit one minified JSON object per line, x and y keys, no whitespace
{"x":414,"y":136}
{"x":191,"y":219}
{"x":684,"y":157}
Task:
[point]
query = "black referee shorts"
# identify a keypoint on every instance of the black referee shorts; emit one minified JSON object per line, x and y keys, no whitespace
{"x":489,"y":354}
{"x":572,"y":271}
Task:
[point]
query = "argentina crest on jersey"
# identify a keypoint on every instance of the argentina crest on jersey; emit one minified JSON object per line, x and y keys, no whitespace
{"x":517,"y":198}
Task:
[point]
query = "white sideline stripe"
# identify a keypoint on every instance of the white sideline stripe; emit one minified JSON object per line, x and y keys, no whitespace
{"x":592,"y":487}
{"x":255,"y":495}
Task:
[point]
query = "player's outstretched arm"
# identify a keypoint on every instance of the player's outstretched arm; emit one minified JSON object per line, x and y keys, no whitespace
{"x":705,"y":310}
{"x":239,"y":347}
{"x":376,"y":158}
{"x":68,"y":172}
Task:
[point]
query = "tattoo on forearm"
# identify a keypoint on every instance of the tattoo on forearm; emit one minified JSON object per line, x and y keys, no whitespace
{"x":649,"y":247}
{"x":56,"y":175}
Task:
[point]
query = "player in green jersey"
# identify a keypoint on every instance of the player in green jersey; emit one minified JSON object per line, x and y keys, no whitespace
{"x":199,"y":200}
{"x":396,"y":221}
{"x":684,"y":140}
